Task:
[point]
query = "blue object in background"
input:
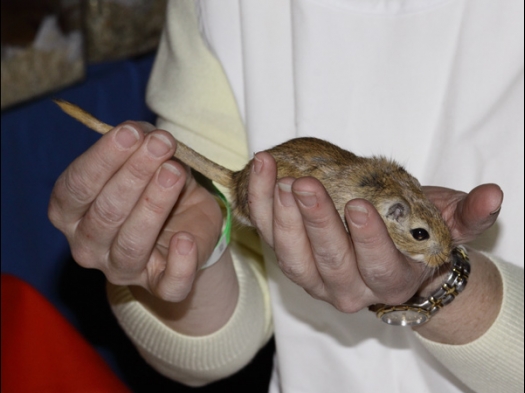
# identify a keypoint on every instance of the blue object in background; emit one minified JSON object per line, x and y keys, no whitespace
{"x":38,"y":142}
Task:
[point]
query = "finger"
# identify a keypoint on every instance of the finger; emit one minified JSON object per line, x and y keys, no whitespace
{"x":261,"y":187}
{"x":83,"y":180}
{"x":145,"y":126}
{"x":115,"y":201}
{"x":139,"y":232}
{"x":329,"y":241}
{"x":386,"y":272}
{"x":467,"y":215}
{"x":172,"y":277}
{"x":477,"y":212}
{"x":291,"y":243}
{"x":190,"y":245}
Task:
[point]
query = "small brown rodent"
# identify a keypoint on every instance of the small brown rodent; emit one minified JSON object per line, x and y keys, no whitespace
{"x":413,"y":222}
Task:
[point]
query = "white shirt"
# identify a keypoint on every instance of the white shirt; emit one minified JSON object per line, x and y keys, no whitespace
{"x":437,"y":85}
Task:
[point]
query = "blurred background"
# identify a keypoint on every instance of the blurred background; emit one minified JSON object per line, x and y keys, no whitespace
{"x":97,"y":54}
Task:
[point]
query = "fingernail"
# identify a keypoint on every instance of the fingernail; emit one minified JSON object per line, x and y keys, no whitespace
{"x":285,"y":194}
{"x":358,"y":215}
{"x":496,"y":211}
{"x":306,"y":198}
{"x":126,"y":136}
{"x":168,"y":175}
{"x":257,"y":165}
{"x":158,"y":145}
{"x":183,"y":245}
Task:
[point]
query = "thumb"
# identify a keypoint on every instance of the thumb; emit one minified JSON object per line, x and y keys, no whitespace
{"x":476,"y":212}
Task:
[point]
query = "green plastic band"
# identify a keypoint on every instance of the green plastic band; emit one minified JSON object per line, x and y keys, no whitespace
{"x":225,"y":238}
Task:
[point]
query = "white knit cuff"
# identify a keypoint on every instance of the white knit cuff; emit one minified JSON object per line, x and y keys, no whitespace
{"x":196,"y":361}
{"x":506,"y":334}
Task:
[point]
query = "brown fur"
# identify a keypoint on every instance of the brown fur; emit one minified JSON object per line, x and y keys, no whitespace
{"x":346,"y":176}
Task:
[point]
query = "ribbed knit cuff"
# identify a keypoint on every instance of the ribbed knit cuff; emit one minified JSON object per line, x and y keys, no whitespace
{"x":506,"y":334}
{"x":196,"y":361}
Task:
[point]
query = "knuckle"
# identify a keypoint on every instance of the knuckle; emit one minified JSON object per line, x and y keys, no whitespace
{"x":114,"y":278}
{"x":122,"y":267}
{"x":126,"y":253}
{"x":319,"y":221}
{"x":286,"y":225}
{"x":329,"y":255}
{"x":182,"y":277}
{"x":292,"y":270}
{"x":171,"y":294}
{"x":346,"y":305}
{"x":84,"y":256}
{"x":153,"y":206}
{"x":317,"y":293}
{"x":106,"y":211}
{"x":77,"y":186}
{"x":139,"y":171}
{"x":54,"y":213}
{"x":175,"y":288}
{"x":117,"y":278}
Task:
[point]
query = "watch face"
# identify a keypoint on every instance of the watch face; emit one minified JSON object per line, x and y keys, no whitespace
{"x":404,"y":318}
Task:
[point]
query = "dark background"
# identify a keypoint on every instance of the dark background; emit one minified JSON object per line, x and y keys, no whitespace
{"x":38,"y":143}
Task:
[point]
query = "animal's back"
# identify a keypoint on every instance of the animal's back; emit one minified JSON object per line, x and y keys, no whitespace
{"x":298,"y":158}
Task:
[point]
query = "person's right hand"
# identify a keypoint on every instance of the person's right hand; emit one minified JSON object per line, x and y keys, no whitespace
{"x":131,"y":212}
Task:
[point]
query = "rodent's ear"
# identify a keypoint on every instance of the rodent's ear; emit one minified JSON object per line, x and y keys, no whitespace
{"x":398,"y":212}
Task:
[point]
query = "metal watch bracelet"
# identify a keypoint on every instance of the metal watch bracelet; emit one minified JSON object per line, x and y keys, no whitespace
{"x":418,"y":310}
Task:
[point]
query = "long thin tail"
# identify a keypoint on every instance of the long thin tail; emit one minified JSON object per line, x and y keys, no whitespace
{"x":82,"y":116}
{"x":187,"y":155}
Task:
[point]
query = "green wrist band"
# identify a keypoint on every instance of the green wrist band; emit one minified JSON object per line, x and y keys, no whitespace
{"x":224,"y":240}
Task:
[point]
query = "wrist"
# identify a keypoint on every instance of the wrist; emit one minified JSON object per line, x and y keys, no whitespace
{"x":436,"y":278}
{"x":474,"y":311}
{"x":419,"y":309}
{"x":207,"y":307}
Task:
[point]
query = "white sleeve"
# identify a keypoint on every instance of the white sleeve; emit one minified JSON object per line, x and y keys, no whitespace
{"x":493,"y":362}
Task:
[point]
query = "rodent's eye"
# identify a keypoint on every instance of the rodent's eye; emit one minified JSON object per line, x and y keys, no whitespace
{"x":420,"y":234}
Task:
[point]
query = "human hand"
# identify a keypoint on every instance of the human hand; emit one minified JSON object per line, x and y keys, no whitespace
{"x":356,"y":269}
{"x":467,"y":215}
{"x":131,"y":212}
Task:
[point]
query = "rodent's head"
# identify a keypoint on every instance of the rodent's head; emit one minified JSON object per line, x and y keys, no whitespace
{"x":414,"y":223}
{"x":418,"y":230}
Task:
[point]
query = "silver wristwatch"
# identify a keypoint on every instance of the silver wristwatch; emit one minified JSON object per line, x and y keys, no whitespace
{"x":418,"y":310}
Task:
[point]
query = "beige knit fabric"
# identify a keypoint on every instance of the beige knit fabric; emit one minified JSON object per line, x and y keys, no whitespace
{"x":502,"y":344}
{"x":196,"y":361}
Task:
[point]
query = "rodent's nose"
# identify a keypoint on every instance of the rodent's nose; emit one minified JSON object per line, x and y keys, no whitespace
{"x":438,"y":255}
